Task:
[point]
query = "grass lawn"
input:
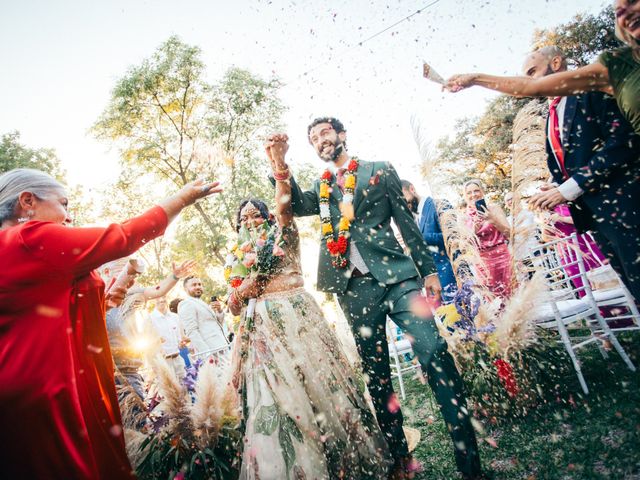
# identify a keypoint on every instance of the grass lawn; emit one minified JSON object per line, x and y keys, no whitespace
{"x":582,"y":437}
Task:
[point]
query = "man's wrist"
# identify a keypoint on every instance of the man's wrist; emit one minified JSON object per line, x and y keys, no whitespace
{"x":570,"y":189}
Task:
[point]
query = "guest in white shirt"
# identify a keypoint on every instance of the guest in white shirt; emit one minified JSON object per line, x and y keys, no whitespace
{"x":169,"y":328}
{"x":200,"y":321}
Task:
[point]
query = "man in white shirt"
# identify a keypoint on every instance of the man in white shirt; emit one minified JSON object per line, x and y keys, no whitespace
{"x":169,"y":328}
{"x":200,"y":321}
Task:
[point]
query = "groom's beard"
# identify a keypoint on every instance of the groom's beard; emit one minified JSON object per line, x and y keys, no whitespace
{"x":331,"y":156}
{"x":413,"y":205}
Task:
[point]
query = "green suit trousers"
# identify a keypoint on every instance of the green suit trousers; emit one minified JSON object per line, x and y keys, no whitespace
{"x":367,"y":303}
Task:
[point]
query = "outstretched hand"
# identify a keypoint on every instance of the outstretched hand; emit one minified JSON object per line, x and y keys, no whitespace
{"x":457,"y":83}
{"x":198,"y":189}
{"x":184,"y":269}
{"x":276,"y":148}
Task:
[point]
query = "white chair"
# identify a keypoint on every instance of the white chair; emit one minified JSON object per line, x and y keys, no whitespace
{"x":399,"y":348}
{"x":572,"y":307}
{"x":220,"y":354}
{"x":609,"y":291}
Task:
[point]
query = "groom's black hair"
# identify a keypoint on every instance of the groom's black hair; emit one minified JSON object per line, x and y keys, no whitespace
{"x":335,"y":123}
{"x":260,"y":205}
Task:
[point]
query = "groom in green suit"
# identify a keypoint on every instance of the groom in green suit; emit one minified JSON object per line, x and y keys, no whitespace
{"x":373,"y":278}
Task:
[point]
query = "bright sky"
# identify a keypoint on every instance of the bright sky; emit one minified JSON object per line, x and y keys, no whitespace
{"x":61,"y":59}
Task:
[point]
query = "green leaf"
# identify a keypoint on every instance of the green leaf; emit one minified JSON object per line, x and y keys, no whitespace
{"x":266,"y":420}
{"x":239,"y":270}
{"x":288,"y":452}
{"x":289,"y":425}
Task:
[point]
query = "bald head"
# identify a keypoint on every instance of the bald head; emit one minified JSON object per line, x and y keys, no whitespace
{"x":544,"y":61}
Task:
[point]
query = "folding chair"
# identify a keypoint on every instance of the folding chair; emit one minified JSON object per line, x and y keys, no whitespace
{"x":399,"y":350}
{"x":572,"y":306}
{"x":219,"y":355}
{"x":614,"y":293}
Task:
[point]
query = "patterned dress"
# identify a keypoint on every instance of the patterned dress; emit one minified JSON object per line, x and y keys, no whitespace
{"x":303,"y":405}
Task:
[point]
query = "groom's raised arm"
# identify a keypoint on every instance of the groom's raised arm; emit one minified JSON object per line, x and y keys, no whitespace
{"x":403,"y":218}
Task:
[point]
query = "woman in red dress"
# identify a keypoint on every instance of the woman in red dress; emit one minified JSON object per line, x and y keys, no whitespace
{"x":59,"y":413}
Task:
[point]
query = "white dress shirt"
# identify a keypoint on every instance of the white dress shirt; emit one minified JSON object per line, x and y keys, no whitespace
{"x":169,"y":328}
{"x":569,"y":189}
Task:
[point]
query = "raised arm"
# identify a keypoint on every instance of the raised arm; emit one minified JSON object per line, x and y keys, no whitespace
{"x":496,"y":216}
{"x":81,"y":250}
{"x":276,"y":148}
{"x":165,"y":285}
{"x":594,"y":77}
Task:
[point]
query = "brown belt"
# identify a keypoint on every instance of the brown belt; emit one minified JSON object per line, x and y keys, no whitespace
{"x":175,"y":355}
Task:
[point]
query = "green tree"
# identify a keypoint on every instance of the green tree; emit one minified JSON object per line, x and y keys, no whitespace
{"x":167,"y":120}
{"x":14,"y":154}
{"x":582,"y":38}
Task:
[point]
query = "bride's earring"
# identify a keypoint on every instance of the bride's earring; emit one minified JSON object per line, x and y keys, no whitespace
{"x":30,"y":214}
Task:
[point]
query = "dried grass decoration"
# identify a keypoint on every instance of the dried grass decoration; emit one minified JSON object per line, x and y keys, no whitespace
{"x":195,"y":430}
{"x":509,"y":365}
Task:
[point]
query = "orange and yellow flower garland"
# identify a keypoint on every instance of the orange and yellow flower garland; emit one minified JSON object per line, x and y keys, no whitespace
{"x":337,"y":248}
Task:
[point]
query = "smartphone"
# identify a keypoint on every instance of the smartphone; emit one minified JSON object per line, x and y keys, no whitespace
{"x":214,"y":299}
{"x":481,"y":205}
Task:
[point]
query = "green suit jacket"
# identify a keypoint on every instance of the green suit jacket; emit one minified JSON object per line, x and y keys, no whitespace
{"x":378,"y":198}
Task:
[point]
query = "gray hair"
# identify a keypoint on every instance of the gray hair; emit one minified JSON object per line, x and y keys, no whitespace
{"x":19,"y":180}
{"x":551,"y":51}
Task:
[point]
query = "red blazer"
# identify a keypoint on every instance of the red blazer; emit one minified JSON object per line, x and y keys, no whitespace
{"x":58,"y":407}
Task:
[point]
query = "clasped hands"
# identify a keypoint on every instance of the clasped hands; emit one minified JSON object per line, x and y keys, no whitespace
{"x":276,"y":148}
{"x":547,"y":199}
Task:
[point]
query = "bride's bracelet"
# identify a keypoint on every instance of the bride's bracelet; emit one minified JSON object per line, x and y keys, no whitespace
{"x":236,"y":298}
{"x":282,"y":175}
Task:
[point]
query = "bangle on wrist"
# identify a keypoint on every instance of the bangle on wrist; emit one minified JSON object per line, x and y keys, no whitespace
{"x":282,"y":175}
{"x":175,"y":277}
{"x":236,"y":297}
{"x":284,"y":170}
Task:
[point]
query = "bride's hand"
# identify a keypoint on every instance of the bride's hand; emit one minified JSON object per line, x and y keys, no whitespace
{"x":251,"y":287}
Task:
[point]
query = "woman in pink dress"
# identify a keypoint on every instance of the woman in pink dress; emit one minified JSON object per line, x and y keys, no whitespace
{"x":491,"y":228}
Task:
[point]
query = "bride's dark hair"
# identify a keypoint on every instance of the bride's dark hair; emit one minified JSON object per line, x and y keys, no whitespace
{"x":260,"y":205}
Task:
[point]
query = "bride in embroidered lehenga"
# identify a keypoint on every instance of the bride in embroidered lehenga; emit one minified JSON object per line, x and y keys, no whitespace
{"x":304,"y":410}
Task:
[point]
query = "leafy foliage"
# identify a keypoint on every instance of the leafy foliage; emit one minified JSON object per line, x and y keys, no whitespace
{"x":14,"y":154}
{"x":542,"y":373}
{"x":582,"y":38}
{"x":167,"y":120}
{"x":168,"y":455}
{"x":574,"y":437}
